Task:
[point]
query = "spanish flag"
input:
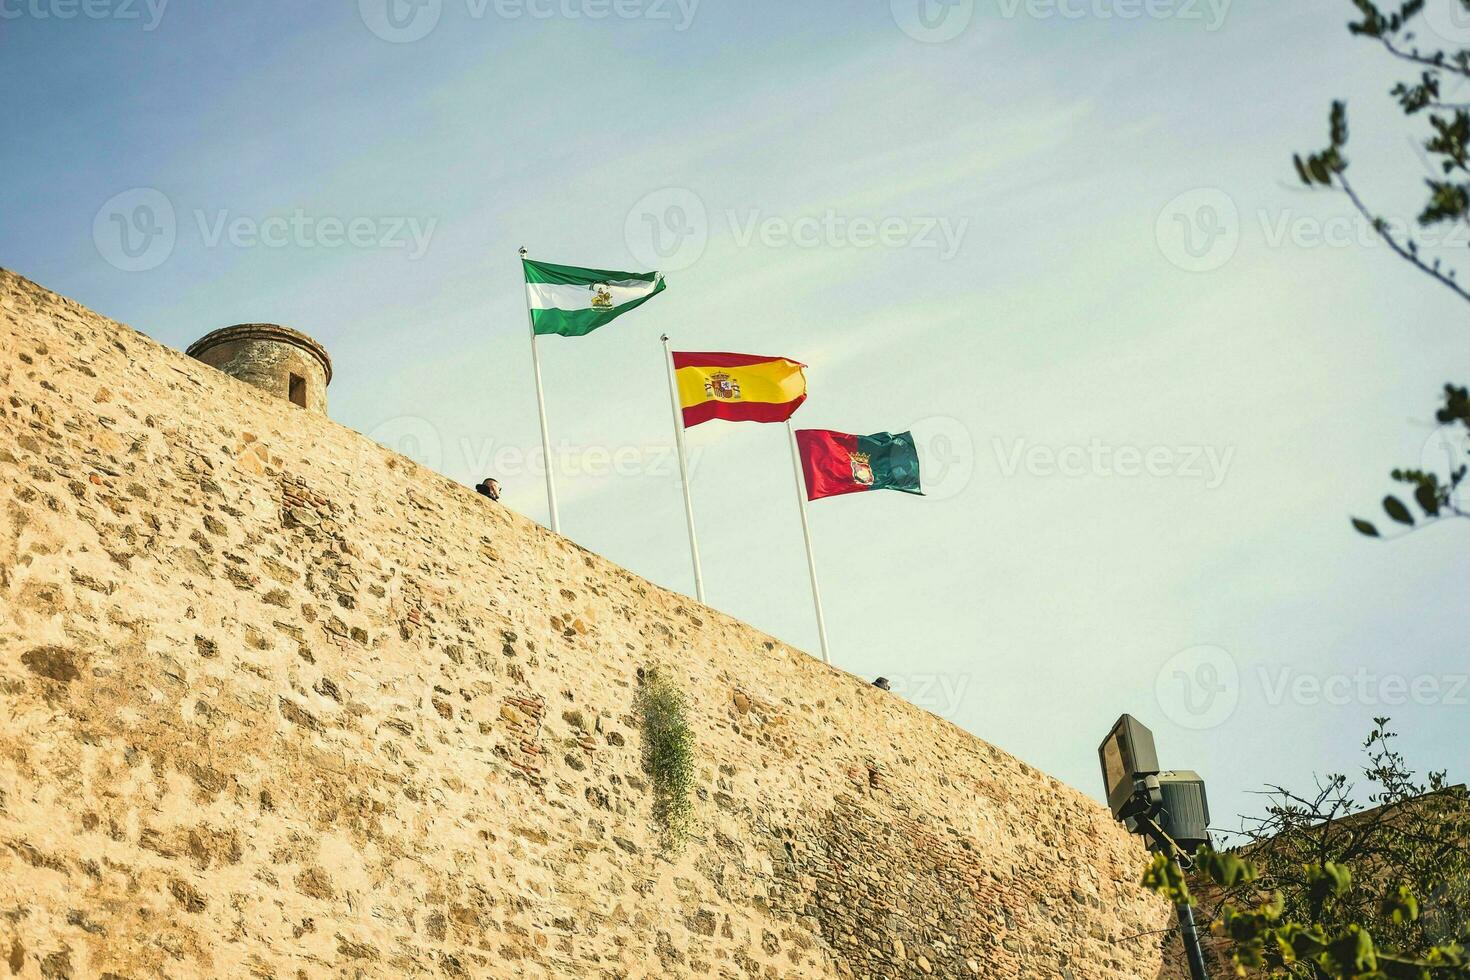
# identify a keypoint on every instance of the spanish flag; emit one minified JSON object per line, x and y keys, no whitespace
{"x":738,"y":387}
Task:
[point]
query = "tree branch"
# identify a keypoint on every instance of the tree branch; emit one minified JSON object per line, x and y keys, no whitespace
{"x":1440,"y":62}
{"x":1399,"y":249}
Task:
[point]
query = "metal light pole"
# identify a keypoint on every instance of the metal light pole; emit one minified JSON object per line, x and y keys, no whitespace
{"x":1193,"y":951}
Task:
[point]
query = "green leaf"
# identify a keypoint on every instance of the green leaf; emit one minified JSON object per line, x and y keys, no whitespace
{"x":1301,"y":170}
{"x":1428,"y":497}
{"x":1394,"y":508}
{"x":1224,"y":869}
{"x":1402,"y":906}
{"x":1327,"y":881}
{"x":1165,"y":877}
{"x":1351,"y":954}
{"x":1318,"y":170}
{"x":1364,"y":528}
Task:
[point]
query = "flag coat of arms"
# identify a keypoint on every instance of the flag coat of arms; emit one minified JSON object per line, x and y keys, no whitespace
{"x":738,"y":387}
{"x":836,"y":462}
{"x":572,"y":301}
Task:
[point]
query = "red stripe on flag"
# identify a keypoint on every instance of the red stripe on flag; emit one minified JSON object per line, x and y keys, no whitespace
{"x":741,"y":411}
{"x":687,"y":359}
{"x":826,"y":462}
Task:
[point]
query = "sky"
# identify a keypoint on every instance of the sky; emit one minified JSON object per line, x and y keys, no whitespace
{"x":1060,"y":241}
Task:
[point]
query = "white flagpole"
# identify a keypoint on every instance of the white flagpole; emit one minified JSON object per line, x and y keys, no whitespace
{"x":806,"y":530}
{"x":683,"y":468}
{"x":541,"y":404}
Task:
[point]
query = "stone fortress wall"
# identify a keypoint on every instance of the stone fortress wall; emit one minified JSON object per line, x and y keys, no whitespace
{"x":277,"y":702}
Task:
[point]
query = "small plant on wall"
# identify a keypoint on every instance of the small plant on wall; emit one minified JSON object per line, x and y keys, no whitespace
{"x":668,"y":754}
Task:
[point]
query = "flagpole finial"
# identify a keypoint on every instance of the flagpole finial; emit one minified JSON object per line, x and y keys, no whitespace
{"x":523,"y":251}
{"x":664,"y":338}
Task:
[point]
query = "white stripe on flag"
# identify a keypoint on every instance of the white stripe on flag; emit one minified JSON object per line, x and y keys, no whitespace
{"x":561,"y":296}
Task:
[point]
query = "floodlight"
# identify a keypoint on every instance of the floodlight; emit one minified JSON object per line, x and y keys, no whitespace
{"x":1127,"y":756}
{"x":1185,"y":811}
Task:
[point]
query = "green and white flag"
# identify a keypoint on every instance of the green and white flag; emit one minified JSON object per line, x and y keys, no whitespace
{"x":573,"y":302}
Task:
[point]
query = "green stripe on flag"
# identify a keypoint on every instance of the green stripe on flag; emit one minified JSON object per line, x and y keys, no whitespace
{"x":894,"y":461}
{"x":547,"y":272}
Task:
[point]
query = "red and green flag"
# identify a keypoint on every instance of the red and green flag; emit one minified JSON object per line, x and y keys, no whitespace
{"x":837,"y":462}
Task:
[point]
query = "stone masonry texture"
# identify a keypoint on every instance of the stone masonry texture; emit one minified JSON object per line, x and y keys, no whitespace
{"x":276,"y":702}
{"x":266,"y":355}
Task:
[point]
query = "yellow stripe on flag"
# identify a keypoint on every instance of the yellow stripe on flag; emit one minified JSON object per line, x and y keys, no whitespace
{"x":773,"y":382}
{"x":738,"y":387}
